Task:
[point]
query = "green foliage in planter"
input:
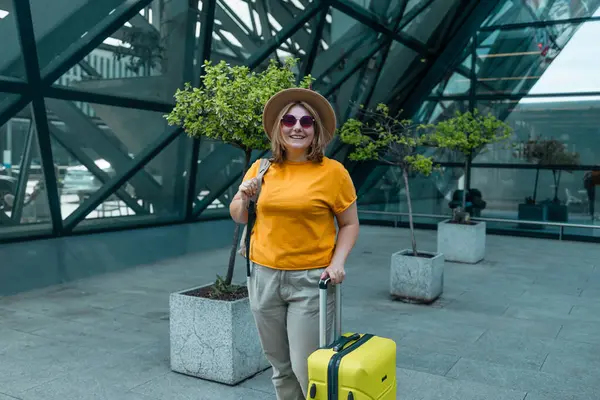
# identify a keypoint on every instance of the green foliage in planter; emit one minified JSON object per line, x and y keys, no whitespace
{"x":228,"y":107}
{"x":223,"y":289}
{"x":229,"y":103}
{"x":469,"y":133}
{"x":393,"y":141}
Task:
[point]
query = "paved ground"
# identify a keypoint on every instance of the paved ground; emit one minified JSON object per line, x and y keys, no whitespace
{"x":523,"y":324}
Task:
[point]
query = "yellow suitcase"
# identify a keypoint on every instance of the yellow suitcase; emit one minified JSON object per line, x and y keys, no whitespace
{"x":354,"y":366}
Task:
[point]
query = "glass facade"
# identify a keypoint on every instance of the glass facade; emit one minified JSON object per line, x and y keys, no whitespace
{"x":533,"y":65}
{"x":84,"y":86}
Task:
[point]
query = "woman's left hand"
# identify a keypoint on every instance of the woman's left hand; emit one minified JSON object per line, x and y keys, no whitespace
{"x":336,"y":272}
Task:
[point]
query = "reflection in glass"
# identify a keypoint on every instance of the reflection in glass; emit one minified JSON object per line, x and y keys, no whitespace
{"x":350,"y":43}
{"x":146,"y":58}
{"x":59,"y":28}
{"x":11,"y":57}
{"x":454,"y":84}
{"x":575,"y":123}
{"x":558,"y":58}
{"x":384,"y":191}
{"x":414,"y":6}
{"x":154,"y":194}
{"x":395,"y":74}
{"x":242,"y":28}
{"x":93,"y":143}
{"x":520,"y":11}
{"x":433,"y":111}
{"x":425,"y":23}
{"x":79,"y":183}
{"x":507,"y":190}
{"x":6,"y":100}
{"x":220,"y":170}
{"x":24,"y":206}
{"x":143,"y":59}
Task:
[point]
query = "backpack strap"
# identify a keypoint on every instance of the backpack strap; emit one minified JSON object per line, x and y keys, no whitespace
{"x":264,"y":165}
{"x":262,"y":170}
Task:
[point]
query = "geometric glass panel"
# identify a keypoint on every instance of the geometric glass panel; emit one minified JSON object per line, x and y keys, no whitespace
{"x":24,"y":207}
{"x":11,"y":57}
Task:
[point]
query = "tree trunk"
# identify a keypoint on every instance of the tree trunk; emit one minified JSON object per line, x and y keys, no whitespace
{"x":236,"y":232}
{"x":556,"y":183}
{"x":410,"y":216}
{"x":464,"y":194}
{"x":537,"y":177}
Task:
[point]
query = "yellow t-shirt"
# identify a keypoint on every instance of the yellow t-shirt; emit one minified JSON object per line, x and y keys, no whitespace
{"x":295,"y":217}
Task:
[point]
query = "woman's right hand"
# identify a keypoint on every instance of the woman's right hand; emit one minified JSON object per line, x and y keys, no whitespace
{"x":248,"y":189}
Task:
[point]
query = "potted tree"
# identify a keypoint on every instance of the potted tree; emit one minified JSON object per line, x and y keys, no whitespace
{"x":554,"y":154}
{"x":415,"y":276}
{"x":532,"y":152}
{"x":559,"y":157}
{"x":460,"y":238}
{"x":212,"y":330}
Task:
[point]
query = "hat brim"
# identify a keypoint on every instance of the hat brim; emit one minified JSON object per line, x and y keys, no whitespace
{"x":310,"y":97}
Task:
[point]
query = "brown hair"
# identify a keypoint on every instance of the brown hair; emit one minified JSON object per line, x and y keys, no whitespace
{"x":316,"y":151}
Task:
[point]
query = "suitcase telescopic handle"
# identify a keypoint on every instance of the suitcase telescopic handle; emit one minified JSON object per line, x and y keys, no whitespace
{"x":323,"y":285}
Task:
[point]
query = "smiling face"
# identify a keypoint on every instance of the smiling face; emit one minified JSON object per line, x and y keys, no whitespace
{"x":297,"y":129}
{"x":298,"y":134}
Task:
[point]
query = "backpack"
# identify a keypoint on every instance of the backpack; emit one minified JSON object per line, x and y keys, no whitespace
{"x":244,"y":249}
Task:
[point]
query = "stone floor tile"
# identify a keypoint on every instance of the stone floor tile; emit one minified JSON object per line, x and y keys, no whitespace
{"x":518,"y":378}
{"x":423,"y":386}
{"x":505,"y":328}
{"x":25,"y":321}
{"x":7,"y":397}
{"x":181,"y":387}
{"x":542,"y":395}
{"x":425,"y":361}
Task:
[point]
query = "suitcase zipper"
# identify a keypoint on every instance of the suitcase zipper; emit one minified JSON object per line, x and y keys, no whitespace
{"x":334,"y":365}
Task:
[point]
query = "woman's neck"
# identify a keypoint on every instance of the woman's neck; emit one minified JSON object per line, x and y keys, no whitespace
{"x":296,"y":156}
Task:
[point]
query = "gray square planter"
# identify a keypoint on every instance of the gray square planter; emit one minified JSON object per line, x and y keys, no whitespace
{"x":213,"y":339}
{"x":417,"y":279}
{"x":460,"y":242}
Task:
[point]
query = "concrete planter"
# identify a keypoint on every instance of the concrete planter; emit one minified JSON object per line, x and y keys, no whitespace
{"x":417,"y":279}
{"x":213,"y":339}
{"x":532,"y":212}
{"x":558,"y":213}
{"x":461,"y":242}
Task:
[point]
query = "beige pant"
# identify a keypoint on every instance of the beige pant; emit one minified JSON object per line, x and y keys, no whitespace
{"x":285,"y":305}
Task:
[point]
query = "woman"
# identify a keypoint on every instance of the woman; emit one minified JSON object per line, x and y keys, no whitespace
{"x":294,"y":237}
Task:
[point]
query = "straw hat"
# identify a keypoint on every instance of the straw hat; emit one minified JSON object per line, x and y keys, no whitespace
{"x":314,"y":99}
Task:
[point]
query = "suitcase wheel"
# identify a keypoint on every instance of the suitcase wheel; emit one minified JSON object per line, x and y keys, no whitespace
{"x":313,"y":391}
{"x":350,"y":396}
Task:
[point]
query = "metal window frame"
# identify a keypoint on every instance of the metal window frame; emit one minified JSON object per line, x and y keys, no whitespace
{"x":206,"y":29}
{"x":471,"y":20}
{"x":538,"y":24}
{"x":371,"y":20}
{"x":39,"y":84}
{"x":34,"y":79}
